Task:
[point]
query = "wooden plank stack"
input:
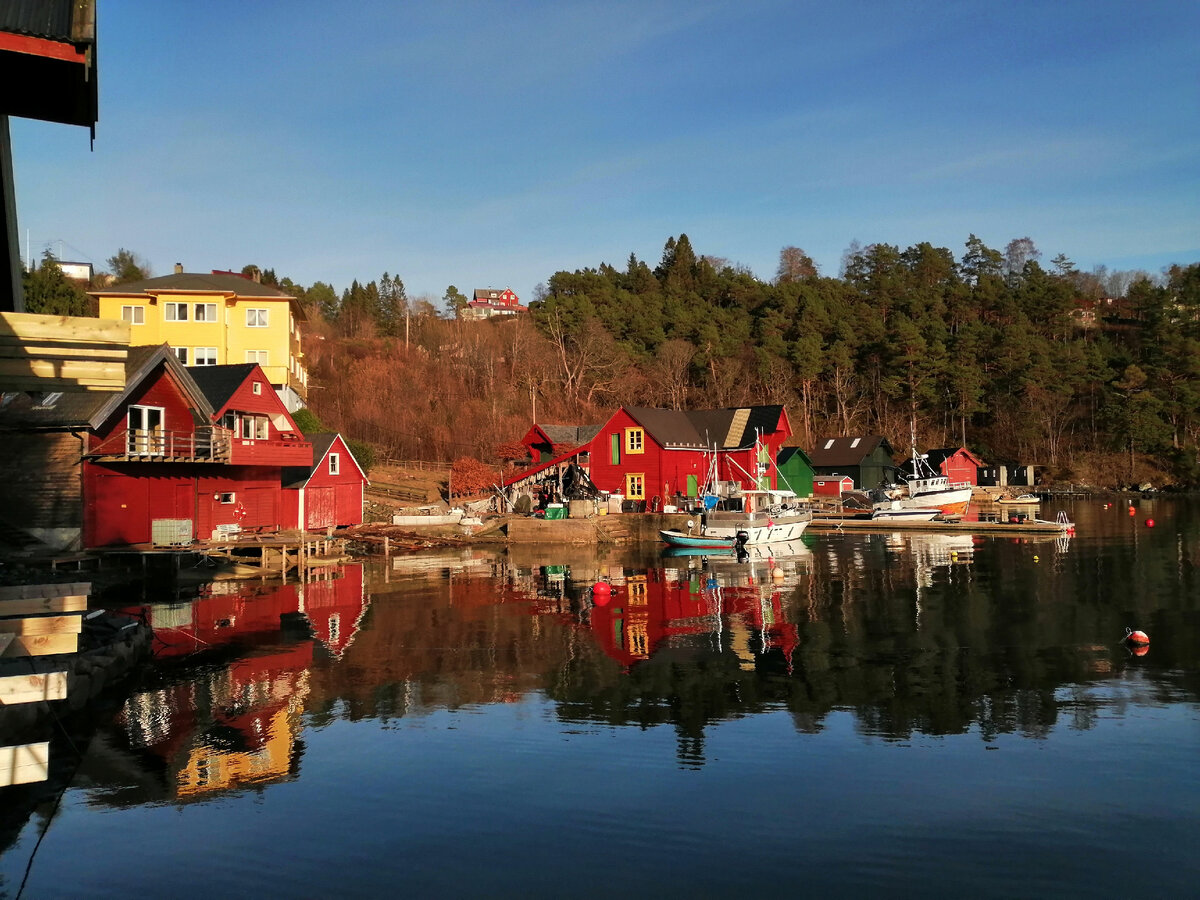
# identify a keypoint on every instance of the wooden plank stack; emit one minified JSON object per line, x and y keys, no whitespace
{"x":36,"y":620}
{"x":62,"y":353}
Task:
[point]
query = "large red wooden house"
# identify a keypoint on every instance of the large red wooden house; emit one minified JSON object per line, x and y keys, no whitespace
{"x":180,"y":454}
{"x":328,"y":492}
{"x":645,"y":453}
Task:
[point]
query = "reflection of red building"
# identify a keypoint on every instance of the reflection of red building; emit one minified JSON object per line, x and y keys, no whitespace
{"x":335,"y":606}
{"x":238,"y":723}
{"x":652,"y":611}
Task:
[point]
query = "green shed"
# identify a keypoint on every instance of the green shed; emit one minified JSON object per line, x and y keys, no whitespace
{"x":795,"y":471}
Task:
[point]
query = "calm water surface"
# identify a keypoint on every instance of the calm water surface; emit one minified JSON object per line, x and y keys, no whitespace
{"x":896,"y":713}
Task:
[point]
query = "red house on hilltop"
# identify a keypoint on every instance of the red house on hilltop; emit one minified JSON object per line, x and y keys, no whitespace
{"x":645,"y":453}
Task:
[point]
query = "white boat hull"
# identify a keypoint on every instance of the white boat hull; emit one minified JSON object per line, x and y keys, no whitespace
{"x":760,"y":528}
{"x":951,"y":501}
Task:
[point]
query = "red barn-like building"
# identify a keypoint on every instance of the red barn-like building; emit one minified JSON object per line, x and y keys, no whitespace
{"x":177,"y":454}
{"x":645,"y":453}
{"x":957,"y":463}
{"x":327,"y":493}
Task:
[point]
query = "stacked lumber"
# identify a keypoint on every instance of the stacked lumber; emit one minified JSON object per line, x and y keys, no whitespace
{"x":62,"y":353}
{"x":36,"y":621}
{"x":398,"y":539}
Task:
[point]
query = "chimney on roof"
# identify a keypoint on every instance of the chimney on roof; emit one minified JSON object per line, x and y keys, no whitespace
{"x":178,"y":268}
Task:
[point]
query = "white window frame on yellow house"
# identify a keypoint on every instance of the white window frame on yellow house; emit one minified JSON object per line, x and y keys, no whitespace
{"x":204,"y":356}
{"x":134,"y":315}
{"x":175,"y":312}
{"x":205,"y":312}
{"x":182,"y":354}
{"x":635,"y":440}
{"x":258,"y":317}
{"x":258,"y":356}
{"x":635,"y":485}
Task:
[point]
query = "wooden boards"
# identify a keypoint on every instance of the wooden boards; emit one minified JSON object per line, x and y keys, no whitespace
{"x":24,"y":763}
{"x":41,"y":619}
{"x":62,"y":353}
{"x":32,"y":688}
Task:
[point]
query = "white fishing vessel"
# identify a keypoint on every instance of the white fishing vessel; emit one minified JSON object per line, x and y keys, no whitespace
{"x":766,"y":517}
{"x":927,"y":488}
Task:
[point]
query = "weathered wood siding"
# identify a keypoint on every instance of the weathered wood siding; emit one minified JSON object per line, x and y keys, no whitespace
{"x":41,"y":488}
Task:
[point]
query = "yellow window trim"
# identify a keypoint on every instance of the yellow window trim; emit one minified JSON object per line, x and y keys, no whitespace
{"x":635,"y":440}
{"x":635,"y":480}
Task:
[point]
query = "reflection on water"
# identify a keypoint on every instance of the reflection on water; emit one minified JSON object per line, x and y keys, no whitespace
{"x":850,"y":641}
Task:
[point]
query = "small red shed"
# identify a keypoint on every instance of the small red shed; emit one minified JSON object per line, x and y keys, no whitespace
{"x":832,"y":485}
{"x":328,"y":493}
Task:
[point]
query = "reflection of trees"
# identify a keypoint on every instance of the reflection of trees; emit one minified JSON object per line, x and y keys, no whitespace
{"x":908,"y":634}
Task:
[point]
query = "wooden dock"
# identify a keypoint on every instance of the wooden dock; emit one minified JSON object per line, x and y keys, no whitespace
{"x":1029,"y":526}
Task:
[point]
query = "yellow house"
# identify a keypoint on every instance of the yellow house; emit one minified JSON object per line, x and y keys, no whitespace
{"x":216,"y":319}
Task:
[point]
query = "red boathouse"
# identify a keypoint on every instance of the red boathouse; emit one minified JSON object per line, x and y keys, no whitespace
{"x":328,"y":492}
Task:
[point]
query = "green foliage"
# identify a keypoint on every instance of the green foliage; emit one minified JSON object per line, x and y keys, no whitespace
{"x":127,"y":266}
{"x":455,"y":300}
{"x":47,"y":290}
{"x":308,"y":423}
{"x":363,"y":452}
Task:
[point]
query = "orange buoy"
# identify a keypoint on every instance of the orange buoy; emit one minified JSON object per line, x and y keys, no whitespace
{"x":1139,"y":649}
{"x":1132,"y":511}
{"x":1138,"y":638}
{"x":601,"y":593}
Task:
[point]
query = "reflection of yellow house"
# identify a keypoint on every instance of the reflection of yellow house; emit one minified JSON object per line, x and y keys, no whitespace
{"x":216,"y":319}
{"x":263,"y":749}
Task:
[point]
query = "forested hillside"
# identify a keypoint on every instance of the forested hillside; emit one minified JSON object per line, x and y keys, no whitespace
{"x":992,"y":350}
{"x":1093,"y":375}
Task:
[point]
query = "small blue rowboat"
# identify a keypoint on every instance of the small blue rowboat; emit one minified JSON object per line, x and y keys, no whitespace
{"x":698,"y":541}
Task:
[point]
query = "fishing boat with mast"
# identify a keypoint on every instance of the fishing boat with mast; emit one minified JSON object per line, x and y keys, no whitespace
{"x":927,"y":488}
{"x":743,"y":516}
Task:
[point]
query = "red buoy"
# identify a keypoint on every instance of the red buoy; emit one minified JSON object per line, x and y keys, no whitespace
{"x":1149,"y":523}
{"x":1138,"y":638}
{"x":601,"y":593}
{"x":1132,"y":511}
{"x":1139,"y":649}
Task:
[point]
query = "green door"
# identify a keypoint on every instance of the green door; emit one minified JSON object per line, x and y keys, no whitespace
{"x":693,"y":487}
{"x":616,"y":449}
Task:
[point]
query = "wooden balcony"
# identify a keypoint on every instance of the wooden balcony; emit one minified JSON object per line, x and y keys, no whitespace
{"x":209,"y":445}
{"x":256,"y":452}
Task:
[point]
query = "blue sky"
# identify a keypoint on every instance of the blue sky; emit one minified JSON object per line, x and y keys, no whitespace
{"x":492,"y":144}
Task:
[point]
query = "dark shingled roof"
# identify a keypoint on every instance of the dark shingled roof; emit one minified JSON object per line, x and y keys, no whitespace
{"x":219,"y":382}
{"x":573,"y":435}
{"x":701,"y":428}
{"x":192,"y":281}
{"x":841,"y":453}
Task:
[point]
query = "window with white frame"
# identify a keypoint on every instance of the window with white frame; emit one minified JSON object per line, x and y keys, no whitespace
{"x":206,"y":312}
{"x":182,"y":353}
{"x":175,"y":312}
{"x":135,"y":315}
{"x":204,"y":356}
{"x":255,"y":427}
{"x":335,"y":463}
{"x":257,"y":356}
{"x":256,"y":318}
